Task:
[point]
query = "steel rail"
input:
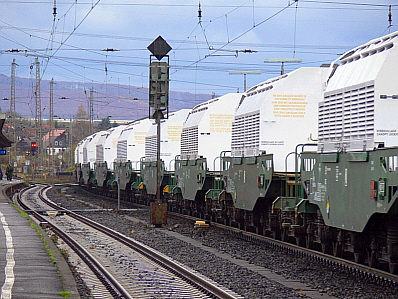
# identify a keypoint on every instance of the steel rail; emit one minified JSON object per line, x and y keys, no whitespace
{"x":372,"y":273}
{"x":110,"y":283}
{"x":198,"y":281}
{"x":364,"y":270}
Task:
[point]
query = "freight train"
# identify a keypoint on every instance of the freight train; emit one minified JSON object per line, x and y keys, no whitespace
{"x":309,"y":157}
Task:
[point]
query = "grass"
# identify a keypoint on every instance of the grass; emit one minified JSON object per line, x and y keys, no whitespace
{"x":49,"y":179}
{"x":65,"y":294}
{"x":54,"y":238}
{"x":23,"y":214}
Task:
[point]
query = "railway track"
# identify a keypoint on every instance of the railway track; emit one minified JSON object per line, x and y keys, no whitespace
{"x":110,"y":285}
{"x":373,"y":274}
{"x":188,"y":283}
{"x":265,"y":256}
{"x":360,"y":270}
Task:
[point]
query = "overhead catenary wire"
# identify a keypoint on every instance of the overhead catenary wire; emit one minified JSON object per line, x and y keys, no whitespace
{"x":125,"y":63}
{"x":201,"y":65}
{"x":326,"y":4}
{"x":242,"y":34}
{"x":295,"y":30}
{"x":25,"y":31}
{"x":64,"y":41}
{"x":346,"y":3}
{"x":140,"y":75}
{"x":74,"y":29}
{"x":51,"y":39}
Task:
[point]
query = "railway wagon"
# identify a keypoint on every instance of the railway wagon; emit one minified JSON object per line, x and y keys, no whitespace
{"x":90,"y":148}
{"x":351,"y":181}
{"x":131,"y":142}
{"x":85,"y":172}
{"x":351,"y":203}
{"x":100,"y":172}
{"x":344,"y":200}
{"x":87,"y":157}
{"x":77,"y":155}
{"x":206,"y":133}
{"x":130,"y":150}
{"x":271,"y":119}
{"x":106,"y":155}
{"x":170,"y":141}
{"x":78,"y":161}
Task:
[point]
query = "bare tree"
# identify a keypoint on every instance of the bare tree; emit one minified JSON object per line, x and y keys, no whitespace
{"x":81,"y":126}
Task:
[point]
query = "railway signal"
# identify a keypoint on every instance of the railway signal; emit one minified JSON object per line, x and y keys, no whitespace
{"x":158,"y":104}
{"x":33,"y":148}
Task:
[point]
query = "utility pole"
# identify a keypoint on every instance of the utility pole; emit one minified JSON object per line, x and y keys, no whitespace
{"x":51,"y":133}
{"x":38,"y":116}
{"x":71,"y":142}
{"x":244,"y":73}
{"x":91,"y":111}
{"x":12,"y":112}
{"x":282,"y":61}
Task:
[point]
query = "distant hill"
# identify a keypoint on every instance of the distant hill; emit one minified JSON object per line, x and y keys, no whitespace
{"x":121,"y":102}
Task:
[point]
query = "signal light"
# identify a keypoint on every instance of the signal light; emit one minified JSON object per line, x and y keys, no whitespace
{"x":28,"y":153}
{"x":33,"y":147}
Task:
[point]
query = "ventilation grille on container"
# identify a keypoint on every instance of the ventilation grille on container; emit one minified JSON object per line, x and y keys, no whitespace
{"x":150,"y":148}
{"x":189,"y":143}
{"x":99,"y":153}
{"x":246,"y":135}
{"x":347,"y":116}
{"x":122,"y":150}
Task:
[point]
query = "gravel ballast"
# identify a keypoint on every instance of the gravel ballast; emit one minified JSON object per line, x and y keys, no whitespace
{"x":324,"y":279}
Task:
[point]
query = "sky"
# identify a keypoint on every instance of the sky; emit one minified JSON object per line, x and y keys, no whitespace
{"x":231,"y":36}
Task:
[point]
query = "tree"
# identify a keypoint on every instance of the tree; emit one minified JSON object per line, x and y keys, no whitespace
{"x":81,"y":113}
{"x":105,"y":124}
{"x":82,"y":126}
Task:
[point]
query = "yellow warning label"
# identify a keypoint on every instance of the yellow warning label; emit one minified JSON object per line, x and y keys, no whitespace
{"x":289,"y":105}
{"x":221,"y":123}
{"x":174,"y":133}
{"x":140,"y":137}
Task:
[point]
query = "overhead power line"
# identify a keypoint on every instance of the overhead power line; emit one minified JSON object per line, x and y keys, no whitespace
{"x":150,"y":4}
{"x":242,"y":34}
{"x":74,"y":29}
{"x":347,"y":3}
{"x":27,"y":30}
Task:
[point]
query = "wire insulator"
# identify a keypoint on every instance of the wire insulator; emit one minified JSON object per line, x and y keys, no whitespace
{"x":389,"y":16}
{"x":55,"y":9}
{"x":199,"y":14}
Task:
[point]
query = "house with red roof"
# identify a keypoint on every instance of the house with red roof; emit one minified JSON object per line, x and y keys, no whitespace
{"x":57,"y":140}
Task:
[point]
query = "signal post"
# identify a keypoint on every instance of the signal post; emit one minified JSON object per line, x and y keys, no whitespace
{"x":158,"y":110}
